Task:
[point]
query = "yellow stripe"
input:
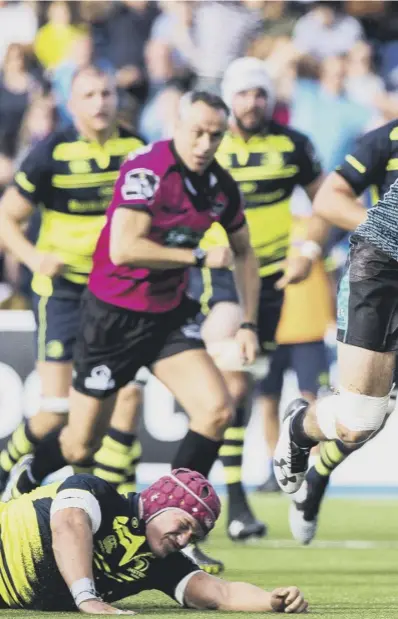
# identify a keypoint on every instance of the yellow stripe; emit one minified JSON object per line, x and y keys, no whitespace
{"x":234,"y":434}
{"x":231,"y":450}
{"x":21,"y":441}
{"x":374,"y":194}
{"x":233,"y":474}
{"x":7,"y":592}
{"x":394,"y":134}
{"x":5,"y":462}
{"x":110,"y":476}
{"x":80,"y":150}
{"x":207,"y":291}
{"x":333,"y":452}
{"x":42,"y":329}
{"x":22,"y":180}
{"x":392,"y":165}
{"x":321,"y":468}
{"x":76,"y":181}
{"x":359,"y":167}
{"x":13,"y":451}
{"x":261,"y":173}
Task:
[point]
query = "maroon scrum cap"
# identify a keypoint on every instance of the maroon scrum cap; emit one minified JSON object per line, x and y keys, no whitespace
{"x":186,"y":490}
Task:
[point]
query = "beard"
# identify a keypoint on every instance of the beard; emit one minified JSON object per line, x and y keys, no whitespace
{"x":256,"y":127}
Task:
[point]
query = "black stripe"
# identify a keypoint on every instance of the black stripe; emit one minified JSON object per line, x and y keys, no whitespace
{"x":107,"y":467}
{"x":13,"y":594}
{"x":233,"y":442}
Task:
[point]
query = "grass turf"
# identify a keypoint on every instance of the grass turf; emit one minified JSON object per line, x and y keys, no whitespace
{"x":350,"y":572}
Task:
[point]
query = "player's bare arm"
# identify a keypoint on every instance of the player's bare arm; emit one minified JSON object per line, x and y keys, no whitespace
{"x":337,"y":203}
{"x":15,"y":210}
{"x":206,"y":592}
{"x":130,"y":245}
{"x":299,"y":267}
{"x":72,"y":540}
{"x":248,"y":286}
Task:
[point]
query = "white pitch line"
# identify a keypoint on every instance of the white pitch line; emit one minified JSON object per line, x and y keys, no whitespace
{"x":345,"y":544}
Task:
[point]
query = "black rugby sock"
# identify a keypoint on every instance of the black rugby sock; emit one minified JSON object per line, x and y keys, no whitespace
{"x":48,"y":457}
{"x":196,"y":452}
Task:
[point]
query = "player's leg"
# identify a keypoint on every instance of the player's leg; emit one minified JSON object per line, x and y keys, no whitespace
{"x":269,"y":390}
{"x":56,"y":321}
{"x":367,"y":338}
{"x":117,"y":459}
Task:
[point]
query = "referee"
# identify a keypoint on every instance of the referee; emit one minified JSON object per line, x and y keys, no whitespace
{"x":69,"y":176}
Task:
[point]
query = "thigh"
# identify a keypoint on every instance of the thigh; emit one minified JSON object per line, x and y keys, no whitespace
{"x":57,"y":321}
{"x":269,"y":311}
{"x":309,"y":361}
{"x":222,"y":322}
{"x":55,"y":378}
{"x":367,"y":302}
{"x":112,"y":345}
{"x":195,"y":382}
{"x":365,"y":371}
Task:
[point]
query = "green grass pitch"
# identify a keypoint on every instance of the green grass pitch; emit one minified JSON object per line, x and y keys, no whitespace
{"x":351,"y":571}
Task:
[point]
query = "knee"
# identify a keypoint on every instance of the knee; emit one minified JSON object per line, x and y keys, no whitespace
{"x":238,"y":386}
{"x":218,"y":419}
{"x":76,"y":450}
{"x":130,"y":395}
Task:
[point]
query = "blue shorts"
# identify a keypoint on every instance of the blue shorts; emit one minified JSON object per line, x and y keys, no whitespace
{"x":309,"y":361}
{"x":212,"y":286}
{"x":57,"y":321}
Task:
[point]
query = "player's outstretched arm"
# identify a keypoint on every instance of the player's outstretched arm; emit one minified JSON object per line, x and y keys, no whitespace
{"x":204,"y":591}
{"x":337,"y":202}
{"x":72,"y":540}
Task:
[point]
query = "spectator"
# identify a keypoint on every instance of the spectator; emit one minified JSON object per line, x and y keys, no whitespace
{"x":54,"y":40}
{"x":321,"y":111}
{"x":361,"y":83}
{"x":223,"y":31}
{"x":17,"y":88}
{"x":326,"y":31}
{"x":18,"y":24}
{"x":173,"y":27}
{"x":39,"y":121}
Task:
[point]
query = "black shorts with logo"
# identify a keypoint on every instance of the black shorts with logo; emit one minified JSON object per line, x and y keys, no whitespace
{"x":367,"y":302}
{"x":212,"y":286}
{"x":113,"y":343}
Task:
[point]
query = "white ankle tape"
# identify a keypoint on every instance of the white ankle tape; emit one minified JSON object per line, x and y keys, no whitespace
{"x":83,"y":590}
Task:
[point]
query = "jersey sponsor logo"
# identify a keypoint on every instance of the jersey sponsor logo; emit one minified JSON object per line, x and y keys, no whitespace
{"x":100,"y":379}
{"x":139,"y":184}
{"x":55,"y":349}
{"x":191,"y":331}
{"x":182,"y":236}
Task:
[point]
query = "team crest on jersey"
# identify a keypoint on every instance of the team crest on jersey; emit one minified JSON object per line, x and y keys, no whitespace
{"x":217,"y":208}
{"x":139,"y":184}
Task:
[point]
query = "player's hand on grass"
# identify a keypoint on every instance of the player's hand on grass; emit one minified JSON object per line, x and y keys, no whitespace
{"x":288,"y":600}
{"x":248,"y":344}
{"x":48,"y":264}
{"x":219,"y":258}
{"x":98,"y":607}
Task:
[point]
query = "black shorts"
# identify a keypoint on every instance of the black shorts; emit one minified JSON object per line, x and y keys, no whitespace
{"x":57,"y":320}
{"x":212,"y":286}
{"x":114,"y":343}
{"x":308,"y":360}
{"x":367,"y":302}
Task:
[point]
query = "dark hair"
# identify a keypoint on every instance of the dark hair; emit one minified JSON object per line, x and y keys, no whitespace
{"x":210,"y":99}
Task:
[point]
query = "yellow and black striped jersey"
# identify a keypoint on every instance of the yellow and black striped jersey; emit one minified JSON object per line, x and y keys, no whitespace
{"x":267,"y":168}
{"x":71,"y":180}
{"x":373,"y":163}
{"x":123,"y":563}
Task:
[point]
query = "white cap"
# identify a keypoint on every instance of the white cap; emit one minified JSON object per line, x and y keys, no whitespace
{"x":244,"y":74}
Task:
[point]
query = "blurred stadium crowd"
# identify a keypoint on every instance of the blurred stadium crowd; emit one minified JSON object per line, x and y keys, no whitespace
{"x":334,"y":65}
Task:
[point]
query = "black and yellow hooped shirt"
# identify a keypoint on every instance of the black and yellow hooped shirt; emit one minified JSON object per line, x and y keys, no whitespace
{"x":123,"y":563}
{"x":267,"y":168}
{"x":71,"y":180}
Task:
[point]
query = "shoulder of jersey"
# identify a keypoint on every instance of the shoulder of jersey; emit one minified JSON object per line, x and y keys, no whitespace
{"x":156,"y":157}
{"x":293,"y":134}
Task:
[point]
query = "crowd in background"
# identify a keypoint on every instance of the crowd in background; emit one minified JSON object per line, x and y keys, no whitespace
{"x":334,"y":66}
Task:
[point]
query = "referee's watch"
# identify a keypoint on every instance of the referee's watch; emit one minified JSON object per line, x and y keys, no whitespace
{"x":200,"y":256}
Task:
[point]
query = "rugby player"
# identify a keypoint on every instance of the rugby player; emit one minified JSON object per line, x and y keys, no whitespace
{"x":366,"y":356}
{"x":70,"y":177}
{"x":81,"y":545}
{"x":135,"y":311}
{"x":268,"y":161}
{"x":367,"y":314}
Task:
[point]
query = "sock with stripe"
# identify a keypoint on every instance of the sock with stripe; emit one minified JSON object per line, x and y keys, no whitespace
{"x":331,"y":454}
{"x":196,"y":452}
{"x":130,"y":482}
{"x":21,"y":443}
{"x":114,"y":456}
{"x":231,"y":454}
